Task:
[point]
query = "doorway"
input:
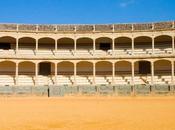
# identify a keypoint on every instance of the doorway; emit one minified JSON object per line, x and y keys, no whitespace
{"x":45,"y":69}
{"x":144,"y":67}
{"x":105,"y":46}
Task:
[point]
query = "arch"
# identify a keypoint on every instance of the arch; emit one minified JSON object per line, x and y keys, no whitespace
{"x":65,"y":68}
{"x":8,"y":42}
{"x":162,"y":67}
{"x":7,"y":68}
{"x":27,"y":43}
{"x":123,"y":44}
{"x":51,"y":67}
{"x":163,"y":44}
{"x":65,"y":43}
{"x":46,"y":43}
{"x":84,"y":43}
{"x":123,"y":68}
{"x":26,"y":68}
{"x":142,"y":67}
{"x":84,"y":68}
{"x":103,"y":68}
{"x":103,"y":43}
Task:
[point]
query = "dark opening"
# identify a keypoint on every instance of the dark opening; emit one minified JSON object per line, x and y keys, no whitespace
{"x":5,"y":46}
{"x":105,"y":46}
{"x":144,"y":67}
{"x":45,"y":69}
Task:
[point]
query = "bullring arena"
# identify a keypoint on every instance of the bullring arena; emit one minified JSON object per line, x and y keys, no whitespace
{"x":116,"y":58}
{"x":112,"y":77}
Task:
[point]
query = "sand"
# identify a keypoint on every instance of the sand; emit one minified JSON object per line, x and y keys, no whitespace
{"x":87,"y":113}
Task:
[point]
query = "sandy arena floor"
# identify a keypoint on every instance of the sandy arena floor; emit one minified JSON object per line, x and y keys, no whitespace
{"x":85,"y":113}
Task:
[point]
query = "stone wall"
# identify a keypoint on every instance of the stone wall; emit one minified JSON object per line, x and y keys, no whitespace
{"x":89,"y":28}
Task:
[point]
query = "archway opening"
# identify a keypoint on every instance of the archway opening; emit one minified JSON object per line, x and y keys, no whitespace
{"x":26,"y":72}
{"x":104,"y":44}
{"x":103,"y":72}
{"x":7,"y":73}
{"x":163,"y":44}
{"x":27,"y":45}
{"x":123,"y":72}
{"x":84,"y":73}
{"x":65,"y":73}
{"x":162,"y":72}
{"x":123,"y":46}
{"x":84,"y":46}
{"x":143,"y":45}
{"x":142,"y":72}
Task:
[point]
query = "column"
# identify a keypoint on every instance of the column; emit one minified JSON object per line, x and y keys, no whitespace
{"x":113,"y":46}
{"x":94,"y":73}
{"x":36,"y":49}
{"x":55,"y":73}
{"x":16,"y":75}
{"x":132,"y":46}
{"x":153,"y":41}
{"x":132,"y":66}
{"x":36,"y":74}
{"x":56,"y":46}
{"x":173,"y":44}
{"x":94,"y":47}
{"x":172,"y":72}
{"x":17,"y":46}
{"x":152,"y":73}
{"x":75,"y":73}
{"x":113,"y":73}
{"x":75,"y":46}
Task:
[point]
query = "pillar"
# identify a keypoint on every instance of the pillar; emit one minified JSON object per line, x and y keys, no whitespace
{"x":75,"y":73}
{"x":132,"y":67}
{"x":16,"y":75}
{"x":94,"y":73}
{"x":36,"y":74}
{"x":17,"y":45}
{"x":56,"y":46}
{"x":172,"y":72}
{"x":75,"y":46}
{"x":132,"y":46}
{"x":113,"y":73}
{"x":113,"y":46}
{"x":153,"y":42}
{"x":55,"y":73}
{"x":36,"y":49}
{"x":152,"y":73}
{"x":94,"y":47}
{"x":173,"y":44}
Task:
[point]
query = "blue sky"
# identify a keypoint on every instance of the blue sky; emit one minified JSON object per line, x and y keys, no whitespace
{"x":86,"y":11}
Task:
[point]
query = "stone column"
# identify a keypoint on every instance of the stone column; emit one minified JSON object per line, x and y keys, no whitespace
{"x":94,"y":73}
{"x":132,"y":67}
{"x":17,"y":45}
{"x":173,"y":44}
{"x":75,"y":73}
{"x":16,"y":75}
{"x":56,"y":46}
{"x":75,"y":46}
{"x":36,"y":74}
{"x":132,"y":46}
{"x":94,"y":47}
{"x":113,"y":46}
{"x":152,"y":73}
{"x":36,"y":49}
{"x":153,"y":42}
{"x":55,"y":73}
{"x":172,"y":72}
{"x":113,"y":73}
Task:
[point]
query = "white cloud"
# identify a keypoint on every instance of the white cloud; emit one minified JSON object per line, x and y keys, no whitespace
{"x":126,"y":3}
